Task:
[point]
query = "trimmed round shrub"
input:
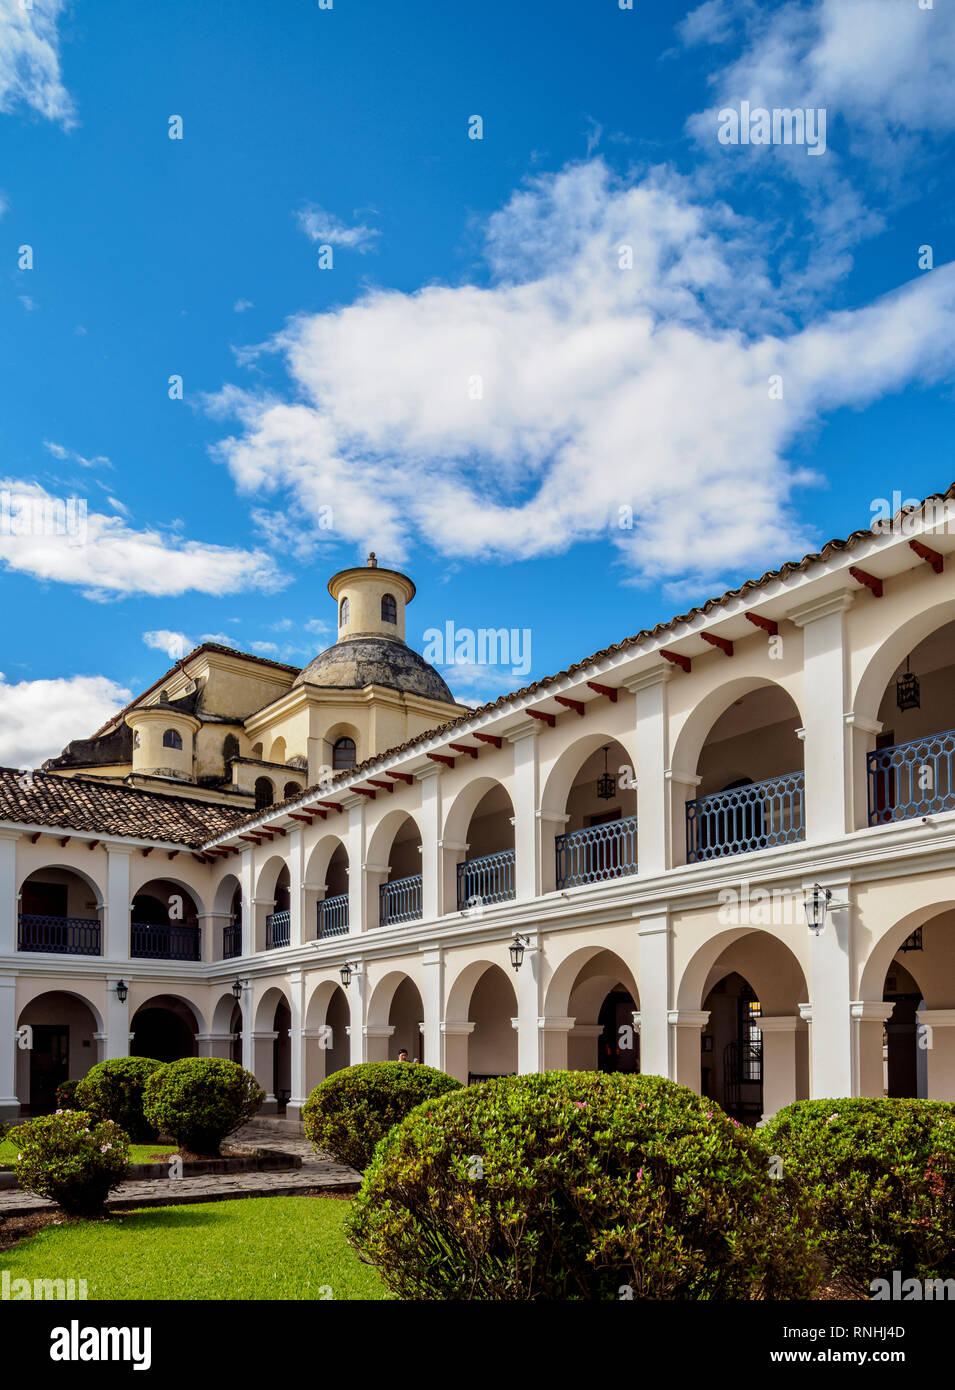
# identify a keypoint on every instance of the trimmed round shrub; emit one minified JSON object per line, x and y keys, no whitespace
{"x":71,"y":1158}
{"x":880,"y":1177}
{"x":66,"y":1095}
{"x":579,"y":1185}
{"x":347,"y":1114}
{"x":201,"y":1100}
{"x":113,"y":1090}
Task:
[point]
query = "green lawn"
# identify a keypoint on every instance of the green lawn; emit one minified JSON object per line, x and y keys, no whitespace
{"x":138,"y":1153}
{"x":258,"y":1247}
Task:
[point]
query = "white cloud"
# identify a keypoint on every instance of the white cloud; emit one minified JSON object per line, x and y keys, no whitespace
{"x":174,"y":644}
{"x":514,"y":421}
{"x":240,"y":306}
{"x":59,"y":451}
{"x":30,"y":59}
{"x":106,"y":558}
{"x":38,"y":718}
{"x":322,"y":226}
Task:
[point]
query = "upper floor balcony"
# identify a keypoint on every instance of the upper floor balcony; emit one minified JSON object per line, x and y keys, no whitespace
{"x":400,"y":901}
{"x":909,"y":779}
{"x":278,"y":929}
{"x":598,"y":852}
{"x":332,"y":914}
{"x":746,"y":816}
{"x":164,"y":941}
{"x":68,"y":936}
{"x":488,"y":879}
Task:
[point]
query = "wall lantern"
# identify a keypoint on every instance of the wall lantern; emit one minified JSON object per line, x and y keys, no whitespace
{"x":907,"y":689}
{"x":237,"y":990}
{"x":817,"y":901}
{"x":122,"y":991}
{"x":606,"y":783}
{"x":345,"y":973}
{"x":516,"y":949}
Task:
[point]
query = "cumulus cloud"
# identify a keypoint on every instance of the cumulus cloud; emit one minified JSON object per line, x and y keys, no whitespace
{"x":30,"y":60}
{"x":38,"y":718}
{"x":322,"y":226}
{"x":59,"y":451}
{"x":174,"y":644}
{"x":62,"y":541}
{"x":613,"y":380}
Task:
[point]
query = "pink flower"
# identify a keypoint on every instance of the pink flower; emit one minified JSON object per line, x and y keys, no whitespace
{"x":640,"y":1175}
{"x":580,"y":1104}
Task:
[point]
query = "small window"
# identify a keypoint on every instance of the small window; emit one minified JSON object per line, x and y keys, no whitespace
{"x":343,"y":754}
{"x":389,"y":609}
{"x":343,"y":613}
{"x":291,"y":789}
{"x":264,"y":793}
{"x":135,"y":738}
{"x":230,"y":747}
{"x":172,"y":739}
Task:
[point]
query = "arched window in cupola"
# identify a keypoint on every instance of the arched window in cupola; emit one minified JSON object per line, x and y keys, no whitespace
{"x":343,"y":613}
{"x":389,"y":609}
{"x":172,"y":738}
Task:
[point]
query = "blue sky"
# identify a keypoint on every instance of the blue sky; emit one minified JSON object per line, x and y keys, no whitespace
{"x":479,"y":388}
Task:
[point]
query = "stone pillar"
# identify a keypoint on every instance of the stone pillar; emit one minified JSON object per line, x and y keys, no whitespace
{"x":555,"y":1033}
{"x":826,"y":696}
{"x":529,"y":1002}
{"x":868,"y":1071}
{"x":456,"y":1037}
{"x":780,"y":1087}
{"x":9,"y":905}
{"x":248,"y":1041}
{"x":861,"y":733}
{"x":527,"y":849}
{"x":687,"y":1025}
{"x":432,"y":997}
{"x":936,"y":1037}
{"x":831,"y":1055}
{"x":377,"y":1039}
{"x":357,"y":990}
{"x":9,"y":1104}
{"x":298,"y":1092}
{"x":263,"y":1050}
{"x":354,"y":836}
{"x":582,"y":1047}
{"x":211,"y":925}
{"x":214,"y":1045}
{"x":116,"y":909}
{"x":655,"y":1055}
{"x":432,"y":859}
{"x":550,"y":824}
{"x":682,"y":786}
{"x":247,"y":880}
{"x":296,"y":898}
{"x":652,"y":744}
{"x":117,"y":1036}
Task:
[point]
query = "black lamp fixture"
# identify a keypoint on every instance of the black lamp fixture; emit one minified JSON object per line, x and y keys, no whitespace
{"x":817,"y":901}
{"x":345,"y":973}
{"x":517,"y":948}
{"x":606,"y":782}
{"x":907,"y":695}
{"x":237,"y":990}
{"x":122,"y":991}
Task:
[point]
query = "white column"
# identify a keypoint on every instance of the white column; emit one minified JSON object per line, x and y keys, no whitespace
{"x":831,"y":1058}
{"x":432,"y":864}
{"x":248,"y":1040}
{"x":654,"y":935}
{"x":682,"y":785}
{"x":9,"y":905}
{"x":249,"y":924}
{"x":117,"y":1036}
{"x":432,"y":998}
{"x":527,"y":850}
{"x":868,"y":1067}
{"x":779,"y":1062}
{"x":554,"y":1043}
{"x":456,"y":1036}
{"x":377,"y":1040}
{"x":296,"y":872}
{"x":299,"y":1094}
{"x":652,"y":744}
{"x":355,"y":840}
{"x":356,"y":1010}
{"x":826,"y":698}
{"x":937,"y":1039}
{"x":211,"y":925}
{"x":527,"y":1023}
{"x":117,"y":906}
{"x":687,"y":1025}
{"x":214,"y":1045}
{"x":9,"y":1105}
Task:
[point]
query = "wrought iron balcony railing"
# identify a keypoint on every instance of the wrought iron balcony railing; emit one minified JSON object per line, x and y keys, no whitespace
{"x":333,"y":916}
{"x":399,"y":901}
{"x":597,"y":852}
{"x":173,"y":942}
{"x":231,"y":940}
{"x":66,"y":936}
{"x":759,"y":815}
{"x":912,"y":779}
{"x":278,"y":929}
{"x":489,"y":879}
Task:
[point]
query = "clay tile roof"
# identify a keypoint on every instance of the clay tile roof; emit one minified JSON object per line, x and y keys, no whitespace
{"x":84,"y":804}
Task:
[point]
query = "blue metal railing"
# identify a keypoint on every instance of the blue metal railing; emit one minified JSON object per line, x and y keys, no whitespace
{"x":278,"y":929}
{"x":399,"y":901}
{"x":597,"y":852}
{"x":756,"y":816}
{"x":231,"y":940}
{"x":333,"y":916}
{"x":66,"y":936}
{"x":489,"y":879}
{"x":173,"y":942}
{"x":911,"y":779}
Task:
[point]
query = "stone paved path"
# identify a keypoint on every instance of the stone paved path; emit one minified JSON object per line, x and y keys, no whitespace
{"x":315,"y":1175}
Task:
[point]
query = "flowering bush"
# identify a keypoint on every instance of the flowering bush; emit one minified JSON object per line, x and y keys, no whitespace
{"x":199,"y":1100}
{"x":352,"y":1109}
{"x":578,"y":1185}
{"x":880,"y":1176}
{"x":71,"y":1159}
{"x":66,"y":1095}
{"x":113,"y":1090}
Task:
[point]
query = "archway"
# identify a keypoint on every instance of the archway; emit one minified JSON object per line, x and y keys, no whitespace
{"x":272,"y":1048}
{"x":164,"y":922}
{"x":60,"y":912}
{"x":589,"y":802}
{"x":165,"y":1028}
{"x":597,"y":990}
{"x":327,"y":1042}
{"x":64,"y":1028}
{"x":228,"y":906}
{"x":395,"y":1015}
{"x":480,"y":1039}
{"x":272,"y":905}
{"x":479,"y":864}
{"x":326,"y":888}
{"x":394,"y":873}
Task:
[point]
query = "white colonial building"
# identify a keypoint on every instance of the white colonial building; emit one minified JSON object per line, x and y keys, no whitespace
{"x":639,"y":832}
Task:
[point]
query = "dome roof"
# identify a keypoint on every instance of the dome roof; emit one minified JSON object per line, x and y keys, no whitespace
{"x":361,"y":661}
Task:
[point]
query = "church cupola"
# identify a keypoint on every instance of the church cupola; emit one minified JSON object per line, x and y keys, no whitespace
{"x":371,"y":601}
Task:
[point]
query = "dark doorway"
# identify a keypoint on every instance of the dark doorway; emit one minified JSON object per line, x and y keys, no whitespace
{"x":162,"y":1034}
{"x":901,"y":1037}
{"x":44,"y":899}
{"x":49,"y":1065}
{"x":616,"y":1019}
